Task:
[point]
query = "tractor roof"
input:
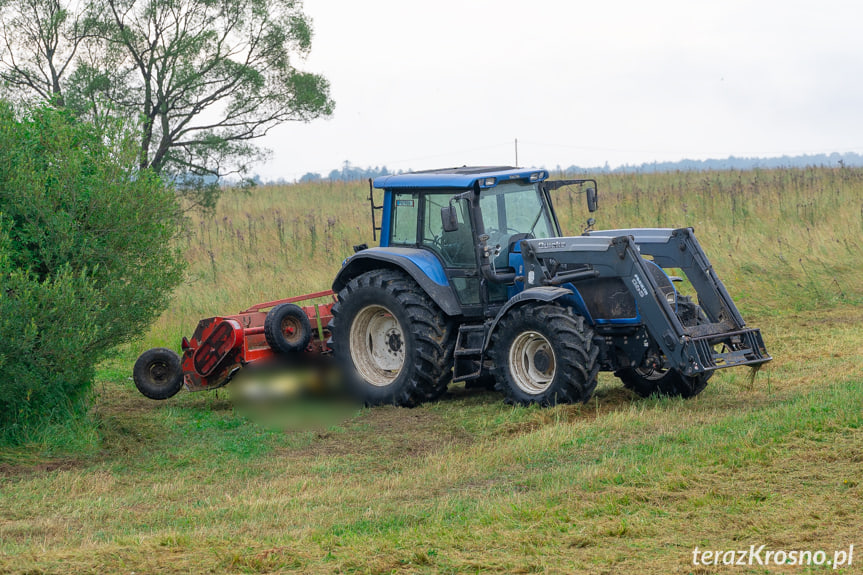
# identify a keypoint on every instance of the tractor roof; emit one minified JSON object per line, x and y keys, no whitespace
{"x":459,"y":178}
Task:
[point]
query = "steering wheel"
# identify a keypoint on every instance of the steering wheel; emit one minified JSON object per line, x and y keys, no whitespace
{"x":448,"y":249}
{"x":506,"y":230}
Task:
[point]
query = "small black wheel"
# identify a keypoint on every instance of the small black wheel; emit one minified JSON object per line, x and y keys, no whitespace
{"x":544,"y":354}
{"x":287,"y":328}
{"x":392,"y":342}
{"x":158,"y":373}
{"x":666,"y":382}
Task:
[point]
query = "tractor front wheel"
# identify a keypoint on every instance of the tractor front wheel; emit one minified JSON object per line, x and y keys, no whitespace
{"x":544,"y":354}
{"x":158,"y":373}
{"x":666,"y":382}
{"x":394,"y":345}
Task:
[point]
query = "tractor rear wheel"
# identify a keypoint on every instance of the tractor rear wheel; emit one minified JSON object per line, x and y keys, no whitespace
{"x":394,"y":345}
{"x":287,"y":328}
{"x":158,"y":373}
{"x":666,"y":382}
{"x":544,"y":354}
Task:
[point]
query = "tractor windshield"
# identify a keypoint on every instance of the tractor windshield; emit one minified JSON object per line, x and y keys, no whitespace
{"x":514,"y":208}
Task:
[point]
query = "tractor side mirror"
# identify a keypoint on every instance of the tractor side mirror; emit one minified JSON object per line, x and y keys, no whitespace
{"x":449,"y":218}
{"x":591,"y":199}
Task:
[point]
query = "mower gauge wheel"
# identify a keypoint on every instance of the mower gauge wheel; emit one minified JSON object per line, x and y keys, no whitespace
{"x":158,"y":374}
{"x":287,"y":328}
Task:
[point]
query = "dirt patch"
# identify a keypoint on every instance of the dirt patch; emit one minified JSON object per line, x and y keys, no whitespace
{"x":393,"y":432}
{"x":29,"y":469}
{"x":603,"y":402}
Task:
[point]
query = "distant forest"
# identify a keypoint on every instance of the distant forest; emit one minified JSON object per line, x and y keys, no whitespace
{"x":350,"y":173}
{"x":849,"y":159}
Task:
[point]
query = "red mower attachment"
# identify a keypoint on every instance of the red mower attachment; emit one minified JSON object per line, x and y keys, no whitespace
{"x":221,"y":346}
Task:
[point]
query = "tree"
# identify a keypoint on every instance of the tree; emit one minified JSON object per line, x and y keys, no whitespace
{"x":200,"y":80}
{"x":40,"y":41}
{"x":86,"y":260}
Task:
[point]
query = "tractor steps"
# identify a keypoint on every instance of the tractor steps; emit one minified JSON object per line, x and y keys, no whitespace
{"x":469,"y":352}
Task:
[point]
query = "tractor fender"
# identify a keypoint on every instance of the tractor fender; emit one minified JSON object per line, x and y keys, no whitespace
{"x":422,"y":265}
{"x":543,"y":294}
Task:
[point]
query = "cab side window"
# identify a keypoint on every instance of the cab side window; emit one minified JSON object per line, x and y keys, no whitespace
{"x":404,"y":220}
{"x":456,"y":247}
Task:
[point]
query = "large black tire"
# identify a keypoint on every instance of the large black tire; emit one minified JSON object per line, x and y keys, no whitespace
{"x":287,"y":328}
{"x":544,"y":354}
{"x":393,"y":344}
{"x":668,"y":383}
{"x":158,"y":373}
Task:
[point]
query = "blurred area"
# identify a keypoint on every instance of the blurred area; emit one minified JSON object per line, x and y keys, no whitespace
{"x":292,"y":396}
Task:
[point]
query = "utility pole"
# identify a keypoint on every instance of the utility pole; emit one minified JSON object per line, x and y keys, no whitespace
{"x":516,"y":152}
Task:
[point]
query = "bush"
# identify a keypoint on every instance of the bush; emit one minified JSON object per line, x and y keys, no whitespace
{"x":86,"y":261}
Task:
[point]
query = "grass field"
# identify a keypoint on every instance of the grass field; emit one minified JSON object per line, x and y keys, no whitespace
{"x":469,"y":484}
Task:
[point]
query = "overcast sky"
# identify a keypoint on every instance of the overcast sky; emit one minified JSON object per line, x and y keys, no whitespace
{"x":421,"y":85}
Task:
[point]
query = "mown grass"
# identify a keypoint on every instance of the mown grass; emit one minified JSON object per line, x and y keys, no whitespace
{"x":468,"y":484}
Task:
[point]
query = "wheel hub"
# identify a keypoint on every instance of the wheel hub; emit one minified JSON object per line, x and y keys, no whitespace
{"x":159,"y":372}
{"x":377,"y":345}
{"x":532,"y":362}
{"x":394,"y":340}
{"x":541,"y":360}
{"x":290,"y":329}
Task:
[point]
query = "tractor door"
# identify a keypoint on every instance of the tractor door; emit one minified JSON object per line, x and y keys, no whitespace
{"x":456,"y":249}
{"x":511,"y":212}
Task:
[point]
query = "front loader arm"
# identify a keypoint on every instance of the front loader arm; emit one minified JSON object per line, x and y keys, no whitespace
{"x":678,"y":248}
{"x":723,"y":342}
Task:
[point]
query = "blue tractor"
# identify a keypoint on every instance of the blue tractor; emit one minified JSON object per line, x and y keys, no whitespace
{"x":474,"y":281}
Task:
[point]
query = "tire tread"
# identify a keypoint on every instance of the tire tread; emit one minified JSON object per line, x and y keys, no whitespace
{"x":430,"y":366}
{"x":572,"y":339}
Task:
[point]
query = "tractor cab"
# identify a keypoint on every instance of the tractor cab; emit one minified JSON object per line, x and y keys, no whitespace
{"x":471,"y":220}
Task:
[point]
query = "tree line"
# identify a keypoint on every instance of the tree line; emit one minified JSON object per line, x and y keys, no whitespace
{"x":849,"y":159}
{"x":350,"y":173}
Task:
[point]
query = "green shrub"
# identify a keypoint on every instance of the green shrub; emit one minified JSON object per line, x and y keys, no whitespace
{"x":86,"y":261}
